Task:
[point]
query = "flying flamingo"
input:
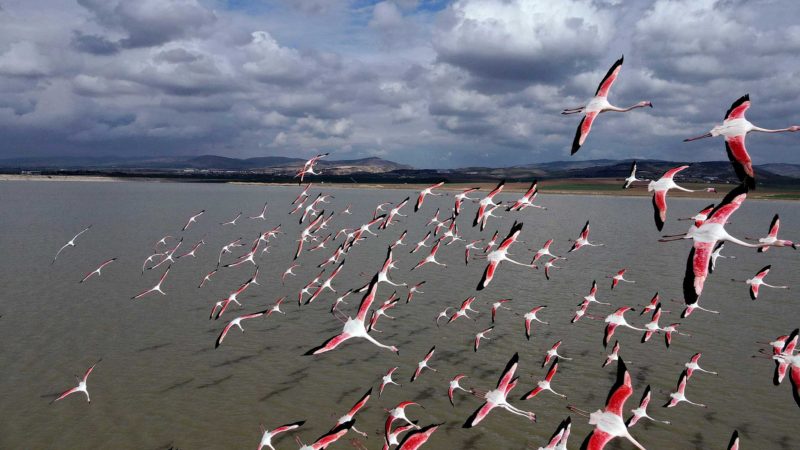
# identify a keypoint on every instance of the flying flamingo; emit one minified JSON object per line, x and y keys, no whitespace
{"x":652,"y":326}
{"x":328,"y":438}
{"x":692,"y":365}
{"x":353,"y":411}
{"x":267,"y":436}
{"x":156,"y":288}
{"x":70,"y":243}
{"x":462,"y":311}
{"x":583,"y":239}
{"x":425,"y":192}
{"x":592,"y":292}
{"x":632,"y":177}
{"x":392,"y":439}
{"x":705,"y":237}
{"x":398,"y":413}
{"x":608,"y":422}
{"x":545,"y":250}
{"x":414,"y":290}
{"x":641,"y":411}
{"x":263,"y":215}
{"x":481,"y":335}
{"x":553,"y":353}
{"x":497,"y":398}
{"x":655,"y":301}
{"x":461,"y":197}
{"x":617,"y":319}
{"x":81,"y":387}
{"x":486,"y":202}
{"x":495,"y":257}
{"x":455,"y":384}
{"x":734,"y":130}
{"x":550,"y":265}
{"x":422,"y":243}
{"x":303,"y":194}
{"x":614,"y":355}
{"x":499,"y":304}
{"x":757,"y":281}
{"x":393,"y":212}
{"x":659,"y":188}
{"x":192,"y":220}
{"x":471,"y":246}
{"x":678,"y":396}
{"x":526,"y":200}
{"x":620,"y":276}
{"x":232,"y":222}
{"x":431,"y":258}
{"x":772,"y":237}
{"x":415,"y":439}
{"x":355,"y":328}
{"x":238,"y":322}
{"x":558,"y":441}
{"x":424,"y":364}
{"x":98,"y":269}
{"x":207,"y":278}
{"x":387,"y":380}
{"x":544,"y":385}
{"x":599,"y":104}
{"x":530,"y":316}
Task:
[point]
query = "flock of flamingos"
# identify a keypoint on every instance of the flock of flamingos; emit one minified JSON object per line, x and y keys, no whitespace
{"x":707,"y":232}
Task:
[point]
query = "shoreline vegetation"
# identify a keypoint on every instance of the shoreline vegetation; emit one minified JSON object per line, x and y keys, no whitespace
{"x":565,"y":186}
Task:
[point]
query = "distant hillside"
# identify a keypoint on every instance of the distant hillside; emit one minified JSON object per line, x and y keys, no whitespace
{"x":276,"y":168}
{"x":204,"y":162}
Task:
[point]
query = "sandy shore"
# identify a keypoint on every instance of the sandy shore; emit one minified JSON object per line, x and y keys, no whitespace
{"x":576,"y":186}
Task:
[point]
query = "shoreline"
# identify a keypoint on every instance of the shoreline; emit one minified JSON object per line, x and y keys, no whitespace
{"x":570,"y":186}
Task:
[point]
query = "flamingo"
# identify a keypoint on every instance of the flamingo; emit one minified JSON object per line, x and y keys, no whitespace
{"x":734,"y":130}
{"x":692,"y":365}
{"x":415,"y":439}
{"x":349,"y":417}
{"x":424,"y":364}
{"x":544,"y":251}
{"x":238,"y":322}
{"x":544,"y":385}
{"x":678,"y":396}
{"x":156,"y":288}
{"x":772,"y":237}
{"x":705,"y":237}
{"x":620,"y":276}
{"x":398,"y":413}
{"x":734,"y":442}
{"x":641,"y":411}
{"x":431,"y":258}
{"x":424,"y":193}
{"x":617,"y":319}
{"x":632,"y":177}
{"x":716,"y":254}
{"x":414,"y":290}
{"x":267,"y":436}
{"x":98,"y":269}
{"x":550,"y":265}
{"x":499,"y":304}
{"x":530,"y":316}
{"x":608,"y":422}
{"x":462,"y":311}
{"x":614,"y":355}
{"x":81,"y":387}
{"x":497,"y":398}
{"x":481,"y":335}
{"x":263,"y":215}
{"x":192,"y":220}
{"x":70,"y":243}
{"x":459,"y":199}
{"x":387,"y":380}
{"x":659,"y":189}
{"x":553,"y":353}
{"x":583,"y":239}
{"x":328,"y":438}
{"x":599,"y":104}
{"x":495,"y":257}
{"x":355,"y":328}
{"x":455,"y":384}
{"x":487,"y":202}
{"x":757,"y":281}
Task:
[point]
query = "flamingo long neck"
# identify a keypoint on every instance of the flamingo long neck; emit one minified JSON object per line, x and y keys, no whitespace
{"x":618,"y":109}
{"x":767,"y":130}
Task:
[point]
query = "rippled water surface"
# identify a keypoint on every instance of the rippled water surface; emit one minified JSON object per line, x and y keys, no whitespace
{"x":161,"y":383}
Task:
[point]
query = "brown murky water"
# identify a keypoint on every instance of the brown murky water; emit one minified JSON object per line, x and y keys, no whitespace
{"x":161,"y":383}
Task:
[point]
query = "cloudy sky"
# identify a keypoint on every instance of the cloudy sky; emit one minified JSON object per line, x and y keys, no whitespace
{"x":431,"y":83}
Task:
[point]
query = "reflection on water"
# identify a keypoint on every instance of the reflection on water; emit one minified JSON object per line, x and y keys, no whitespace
{"x":161,"y":382}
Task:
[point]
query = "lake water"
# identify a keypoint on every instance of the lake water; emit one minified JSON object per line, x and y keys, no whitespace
{"x":161,"y":383}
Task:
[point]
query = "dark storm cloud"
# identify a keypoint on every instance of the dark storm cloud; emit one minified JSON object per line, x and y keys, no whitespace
{"x":473,"y":82}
